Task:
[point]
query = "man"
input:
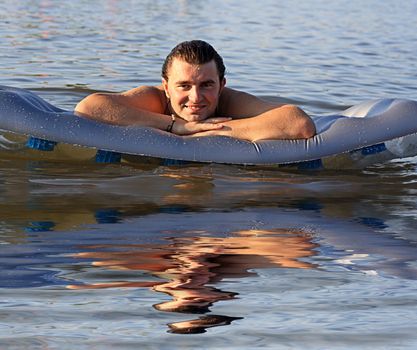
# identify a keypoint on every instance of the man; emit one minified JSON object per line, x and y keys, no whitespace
{"x":193,"y":100}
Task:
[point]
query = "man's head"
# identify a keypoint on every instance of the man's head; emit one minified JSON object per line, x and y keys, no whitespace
{"x":195,"y":52}
{"x":193,"y":78}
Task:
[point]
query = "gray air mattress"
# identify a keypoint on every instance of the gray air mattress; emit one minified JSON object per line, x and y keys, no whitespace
{"x":371,"y":132}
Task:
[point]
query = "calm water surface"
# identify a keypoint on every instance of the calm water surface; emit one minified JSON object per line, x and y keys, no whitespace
{"x":209,"y":256}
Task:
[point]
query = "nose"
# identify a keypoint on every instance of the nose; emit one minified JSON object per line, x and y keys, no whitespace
{"x":195,"y":94}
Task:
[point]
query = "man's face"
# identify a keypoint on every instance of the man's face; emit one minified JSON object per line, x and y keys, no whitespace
{"x":193,"y":90}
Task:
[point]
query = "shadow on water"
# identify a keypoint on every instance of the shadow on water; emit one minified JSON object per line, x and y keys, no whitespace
{"x":183,"y":231}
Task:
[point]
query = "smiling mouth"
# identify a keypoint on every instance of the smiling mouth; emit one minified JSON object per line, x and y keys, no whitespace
{"x":195,"y":108}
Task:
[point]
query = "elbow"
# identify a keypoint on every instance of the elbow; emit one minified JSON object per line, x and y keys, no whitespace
{"x":304,"y":127}
{"x":83,"y":108}
{"x":90,"y":106}
{"x":307,"y":129}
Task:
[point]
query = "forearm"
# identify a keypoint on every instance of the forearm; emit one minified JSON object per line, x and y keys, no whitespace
{"x":286,"y":122}
{"x":103,"y":108}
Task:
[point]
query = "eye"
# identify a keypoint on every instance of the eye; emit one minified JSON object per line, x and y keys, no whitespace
{"x":208,"y":84}
{"x":184,"y":86}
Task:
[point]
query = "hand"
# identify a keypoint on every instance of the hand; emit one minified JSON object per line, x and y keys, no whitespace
{"x":182,"y":127}
{"x":224,"y":131}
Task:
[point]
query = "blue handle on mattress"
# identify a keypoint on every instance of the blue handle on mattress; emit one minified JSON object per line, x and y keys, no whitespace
{"x":108,"y":157}
{"x":40,"y":144}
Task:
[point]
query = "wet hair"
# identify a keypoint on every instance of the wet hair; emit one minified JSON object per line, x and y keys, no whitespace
{"x":187,"y":309}
{"x":194,"y":52}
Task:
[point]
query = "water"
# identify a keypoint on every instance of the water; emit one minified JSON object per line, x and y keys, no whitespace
{"x":209,"y":256}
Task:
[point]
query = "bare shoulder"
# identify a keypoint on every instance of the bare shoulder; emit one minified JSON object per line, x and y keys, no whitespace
{"x":240,"y":104}
{"x":145,"y":90}
{"x":150,"y":98}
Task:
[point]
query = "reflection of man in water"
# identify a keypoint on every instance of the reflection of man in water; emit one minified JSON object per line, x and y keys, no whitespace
{"x":193,"y":100}
{"x":191,"y":264}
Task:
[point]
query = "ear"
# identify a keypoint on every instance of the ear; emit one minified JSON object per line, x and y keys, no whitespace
{"x":222,"y":85}
{"x":165,"y":86}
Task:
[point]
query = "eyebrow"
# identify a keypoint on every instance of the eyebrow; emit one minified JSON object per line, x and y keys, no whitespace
{"x":181,"y":82}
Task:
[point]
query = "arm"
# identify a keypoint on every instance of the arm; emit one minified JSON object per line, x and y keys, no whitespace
{"x":255,"y":119}
{"x":142,"y":106}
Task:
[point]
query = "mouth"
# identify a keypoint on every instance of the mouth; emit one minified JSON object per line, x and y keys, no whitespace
{"x":195,"y":109}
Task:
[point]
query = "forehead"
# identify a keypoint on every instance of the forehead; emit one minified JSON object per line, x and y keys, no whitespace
{"x":180,"y":70}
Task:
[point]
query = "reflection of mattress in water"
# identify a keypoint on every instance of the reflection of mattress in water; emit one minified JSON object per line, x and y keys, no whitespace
{"x":368,"y":133}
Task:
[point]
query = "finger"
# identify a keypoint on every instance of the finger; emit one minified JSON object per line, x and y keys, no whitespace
{"x":200,"y":127}
{"x":217,"y":120}
{"x":209,"y":126}
{"x":204,"y":133}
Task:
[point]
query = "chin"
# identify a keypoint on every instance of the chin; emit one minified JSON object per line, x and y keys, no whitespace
{"x":195,"y":118}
